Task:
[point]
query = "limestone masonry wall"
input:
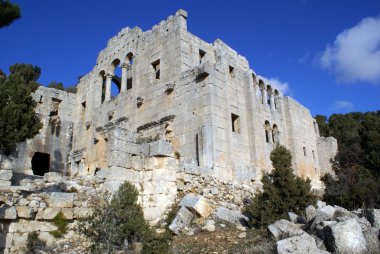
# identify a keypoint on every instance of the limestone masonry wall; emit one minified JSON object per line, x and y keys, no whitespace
{"x":161,"y":105}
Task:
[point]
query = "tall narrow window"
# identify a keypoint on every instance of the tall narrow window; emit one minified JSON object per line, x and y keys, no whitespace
{"x":304,"y":151}
{"x":267,"y":132}
{"x":235,"y":123}
{"x":197,"y":149}
{"x":275,"y":134}
{"x":201,"y":56}
{"x":313,"y":154}
{"x":156,"y":68}
{"x":231,"y":70}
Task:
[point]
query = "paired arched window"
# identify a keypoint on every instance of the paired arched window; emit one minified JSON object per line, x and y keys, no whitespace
{"x":272,"y":134}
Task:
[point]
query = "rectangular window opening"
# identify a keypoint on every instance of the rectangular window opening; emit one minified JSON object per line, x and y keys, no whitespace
{"x":156,"y":67}
{"x":129,"y":84}
{"x":201,"y":55}
{"x":235,"y":123}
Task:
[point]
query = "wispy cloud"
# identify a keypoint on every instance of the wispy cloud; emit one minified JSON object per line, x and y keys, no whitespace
{"x":355,"y":53}
{"x":281,"y":86}
{"x":342,"y":105}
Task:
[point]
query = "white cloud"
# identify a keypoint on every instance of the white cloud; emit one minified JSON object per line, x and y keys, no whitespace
{"x":343,"y":105}
{"x":283,"y":87}
{"x":355,"y":54}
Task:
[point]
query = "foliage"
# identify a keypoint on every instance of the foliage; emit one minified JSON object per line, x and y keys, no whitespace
{"x":282,"y":191}
{"x":357,"y":164}
{"x":60,"y":222}
{"x":60,"y":86}
{"x":33,"y":243}
{"x":8,"y":13}
{"x":119,"y":221}
{"x":18,"y":120}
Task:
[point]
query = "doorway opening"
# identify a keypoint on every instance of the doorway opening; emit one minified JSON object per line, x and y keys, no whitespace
{"x":40,"y":163}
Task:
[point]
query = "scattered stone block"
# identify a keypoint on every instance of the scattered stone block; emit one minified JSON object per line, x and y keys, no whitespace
{"x":282,"y":229}
{"x":181,"y":220}
{"x":310,"y":212}
{"x":301,"y":244}
{"x":345,"y":237}
{"x":197,"y":204}
{"x":231,"y":216}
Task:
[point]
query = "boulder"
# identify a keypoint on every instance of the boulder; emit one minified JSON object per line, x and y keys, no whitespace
{"x":342,"y":212}
{"x":197,"y":204}
{"x":231,"y":216}
{"x":293,"y":217}
{"x":60,"y":199}
{"x":301,"y":244}
{"x":181,"y":220}
{"x":345,"y":237}
{"x":373,"y":216}
{"x":282,"y":229}
{"x":52,"y":177}
{"x":8,"y":213}
{"x":6,"y":175}
{"x":209,"y":226}
{"x":323,"y":214}
{"x":320,"y":204}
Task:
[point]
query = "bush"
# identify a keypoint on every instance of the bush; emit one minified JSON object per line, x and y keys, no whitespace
{"x":33,"y":243}
{"x":117,"y":224}
{"x":282,"y":192}
{"x":61,"y":222}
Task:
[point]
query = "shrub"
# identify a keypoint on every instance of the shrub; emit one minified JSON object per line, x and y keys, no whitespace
{"x":61,"y":222}
{"x":117,"y":224}
{"x":33,"y":243}
{"x":282,"y":192}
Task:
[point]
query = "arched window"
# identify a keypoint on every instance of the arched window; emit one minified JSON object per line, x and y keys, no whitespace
{"x":261,"y":88}
{"x":267,"y":131}
{"x":116,"y":79}
{"x":276,"y":97}
{"x":275,"y":134}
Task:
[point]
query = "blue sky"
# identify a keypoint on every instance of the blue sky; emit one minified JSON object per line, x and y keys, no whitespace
{"x":325,"y":54}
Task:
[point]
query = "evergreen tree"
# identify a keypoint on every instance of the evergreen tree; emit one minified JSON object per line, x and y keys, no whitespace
{"x":8,"y":13}
{"x":18,"y":120}
{"x":282,"y":191}
{"x":118,"y":221}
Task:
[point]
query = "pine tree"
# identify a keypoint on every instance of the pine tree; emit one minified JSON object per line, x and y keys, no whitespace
{"x":8,"y":13}
{"x":18,"y":120}
{"x":282,"y":191}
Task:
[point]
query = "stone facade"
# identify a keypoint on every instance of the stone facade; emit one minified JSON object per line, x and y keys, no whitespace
{"x":184,"y":107}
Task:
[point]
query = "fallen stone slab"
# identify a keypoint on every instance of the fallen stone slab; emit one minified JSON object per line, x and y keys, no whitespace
{"x":302,"y":244}
{"x":196,"y":203}
{"x":345,"y":237}
{"x":181,"y":220}
{"x":282,"y":229}
{"x":231,"y":216}
{"x":310,"y":213}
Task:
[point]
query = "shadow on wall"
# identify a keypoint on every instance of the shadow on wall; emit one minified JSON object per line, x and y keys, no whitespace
{"x":57,"y":164}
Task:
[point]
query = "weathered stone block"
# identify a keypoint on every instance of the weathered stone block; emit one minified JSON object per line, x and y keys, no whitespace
{"x":231,"y":216}
{"x":8,"y":213}
{"x":310,"y":213}
{"x":197,"y":204}
{"x":50,"y":212}
{"x":60,"y":199}
{"x":345,"y":237}
{"x":283,"y":229}
{"x":6,"y":175}
{"x":52,"y":177}
{"x":5,"y":183}
{"x":181,"y":220}
{"x":160,"y":148}
{"x":81,"y":212}
{"x":23,"y":226}
{"x":68,"y":213}
{"x":301,"y":244}
{"x":25,"y":212}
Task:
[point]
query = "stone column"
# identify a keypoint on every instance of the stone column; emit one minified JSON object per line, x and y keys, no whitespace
{"x":265,"y":95}
{"x":271,"y":96}
{"x":109,"y":77}
{"x":124,"y":68}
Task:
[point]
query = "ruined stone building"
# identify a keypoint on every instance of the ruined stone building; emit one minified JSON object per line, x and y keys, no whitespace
{"x":183,"y":104}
